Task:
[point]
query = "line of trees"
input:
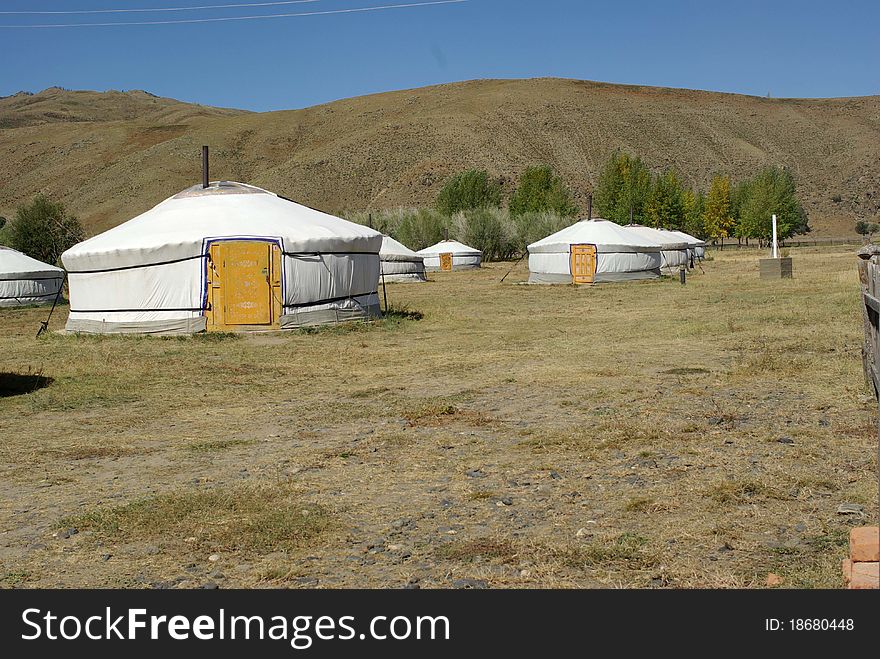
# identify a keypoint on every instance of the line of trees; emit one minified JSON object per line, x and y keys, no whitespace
{"x":627,"y":191}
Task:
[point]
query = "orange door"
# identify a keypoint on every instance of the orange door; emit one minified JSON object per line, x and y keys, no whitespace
{"x":583,"y":264}
{"x":242,"y":277}
{"x":446,"y":262}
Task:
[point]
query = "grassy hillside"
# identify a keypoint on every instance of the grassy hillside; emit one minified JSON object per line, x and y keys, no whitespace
{"x":112,"y":155}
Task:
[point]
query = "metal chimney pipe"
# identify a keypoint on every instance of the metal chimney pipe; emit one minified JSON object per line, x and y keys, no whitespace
{"x":205,"y":166}
{"x":590,"y":206}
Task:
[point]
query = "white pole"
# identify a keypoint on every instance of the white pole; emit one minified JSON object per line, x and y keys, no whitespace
{"x":775,"y":246}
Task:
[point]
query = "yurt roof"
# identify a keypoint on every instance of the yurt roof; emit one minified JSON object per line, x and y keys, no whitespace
{"x":393,"y":250}
{"x":449,"y":247}
{"x":691,"y":240}
{"x":15,"y":265}
{"x":181,"y":226}
{"x":606,"y":236}
{"x":667,"y":239}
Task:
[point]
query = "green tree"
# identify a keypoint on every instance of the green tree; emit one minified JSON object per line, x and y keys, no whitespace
{"x":624,"y":184}
{"x":864,"y":228}
{"x":694,"y":205}
{"x":467,"y":190}
{"x":771,"y":191}
{"x":540,"y":190}
{"x":43,"y":230}
{"x":665,"y":206}
{"x":717,"y":218}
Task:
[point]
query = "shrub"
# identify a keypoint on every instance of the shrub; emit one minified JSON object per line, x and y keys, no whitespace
{"x":420,"y":228}
{"x":44,"y":230}
{"x":469,"y":190}
{"x":489,"y":230}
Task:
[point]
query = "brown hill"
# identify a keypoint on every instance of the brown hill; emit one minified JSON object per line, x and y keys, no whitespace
{"x":110,"y":156}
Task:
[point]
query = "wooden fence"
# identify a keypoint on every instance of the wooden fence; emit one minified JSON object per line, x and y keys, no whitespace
{"x":802,"y":242}
{"x":869,"y":277}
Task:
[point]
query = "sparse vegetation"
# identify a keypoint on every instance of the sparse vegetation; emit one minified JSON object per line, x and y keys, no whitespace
{"x":256,"y":518}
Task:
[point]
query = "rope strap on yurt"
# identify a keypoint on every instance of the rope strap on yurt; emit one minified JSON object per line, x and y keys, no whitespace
{"x":513,"y":266}
{"x":44,"y":325}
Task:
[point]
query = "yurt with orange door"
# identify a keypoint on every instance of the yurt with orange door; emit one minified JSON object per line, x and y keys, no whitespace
{"x":593,"y":251}
{"x":450,"y":255}
{"x":224,"y":256}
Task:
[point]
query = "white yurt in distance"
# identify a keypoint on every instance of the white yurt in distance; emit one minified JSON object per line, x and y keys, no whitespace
{"x":24,"y":280}
{"x":226,"y":257}
{"x":399,"y":263}
{"x":451,"y":255}
{"x":696,"y":246}
{"x":593,"y":251}
{"x":673,"y":248}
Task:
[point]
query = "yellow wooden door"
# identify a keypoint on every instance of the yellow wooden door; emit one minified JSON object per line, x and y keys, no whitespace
{"x":242,"y":277}
{"x":583,"y":264}
{"x":446,"y":262}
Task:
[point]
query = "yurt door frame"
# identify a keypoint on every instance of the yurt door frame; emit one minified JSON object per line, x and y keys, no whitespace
{"x":583,"y":264}
{"x":243,"y":278}
{"x":446,"y":261}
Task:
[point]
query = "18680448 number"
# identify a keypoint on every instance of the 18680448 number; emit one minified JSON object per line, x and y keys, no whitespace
{"x":821,"y":624}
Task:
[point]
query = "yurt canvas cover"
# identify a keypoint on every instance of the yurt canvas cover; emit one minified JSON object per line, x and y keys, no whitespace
{"x":673,"y":249}
{"x":24,"y":280}
{"x":593,"y":251}
{"x":227,"y":257}
{"x":399,"y":263}
{"x":451,"y":255}
{"x":696,"y":246}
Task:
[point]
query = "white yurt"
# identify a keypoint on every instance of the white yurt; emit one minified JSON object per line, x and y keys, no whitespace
{"x":451,"y":255}
{"x":399,"y":263}
{"x":696,"y":246}
{"x":592,"y":251}
{"x":24,"y":280}
{"x":674,"y":249}
{"x":226,"y":257}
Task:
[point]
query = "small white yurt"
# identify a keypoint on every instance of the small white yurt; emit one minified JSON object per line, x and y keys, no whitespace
{"x":593,"y":251}
{"x":25,"y":281}
{"x":451,"y":255}
{"x":674,"y":249}
{"x":696,"y":246}
{"x":226,"y":257}
{"x":399,"y":263}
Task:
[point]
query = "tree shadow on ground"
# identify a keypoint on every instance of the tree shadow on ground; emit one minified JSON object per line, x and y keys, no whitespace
{"x":17,"y":384}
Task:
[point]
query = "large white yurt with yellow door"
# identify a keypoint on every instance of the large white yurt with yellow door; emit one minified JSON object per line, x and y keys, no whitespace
{"x":450,"y":255}
{"x":593,"y":251}
{"x":226,"y":257}
{"x":25,"y":280}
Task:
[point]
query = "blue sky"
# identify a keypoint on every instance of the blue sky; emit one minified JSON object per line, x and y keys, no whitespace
{"x":781,"y":47}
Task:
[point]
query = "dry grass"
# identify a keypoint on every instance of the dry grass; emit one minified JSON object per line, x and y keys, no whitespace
{"x":619,"y":435}
{"x":262,"y":518}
